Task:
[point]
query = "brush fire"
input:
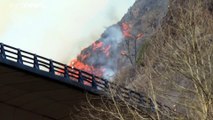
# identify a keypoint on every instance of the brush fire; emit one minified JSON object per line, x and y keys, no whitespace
{"x":101,"y":57}
{"x":117,"y":46}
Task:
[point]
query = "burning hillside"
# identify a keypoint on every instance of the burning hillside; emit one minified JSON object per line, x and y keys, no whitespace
{"x":117,"y":46}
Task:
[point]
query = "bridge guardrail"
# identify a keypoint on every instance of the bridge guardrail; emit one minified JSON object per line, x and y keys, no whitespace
{"x":73,"y":74}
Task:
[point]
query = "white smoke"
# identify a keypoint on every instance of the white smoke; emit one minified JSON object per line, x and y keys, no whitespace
{"x":114,"y":35}
{"x":104,"y":58}
{"x":57,"y":29}
{"x":141,"y":22}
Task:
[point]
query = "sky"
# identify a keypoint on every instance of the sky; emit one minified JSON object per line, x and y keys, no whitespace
{"x":57,"y":29}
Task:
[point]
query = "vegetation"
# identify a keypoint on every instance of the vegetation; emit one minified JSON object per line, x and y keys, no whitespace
{"x":176,"y":68}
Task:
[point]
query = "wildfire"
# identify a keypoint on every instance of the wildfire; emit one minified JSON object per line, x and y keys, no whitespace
{"x":79,"y":62}
{"x":84,"y":67}
{"x":83,"y":57}
{"x":97,"y":45}
{"x":102,"y":49}
{"x":106,"y":50}
{"x":124,"y":53}
{"x":139,"y":36}
{"x":126,"y":30}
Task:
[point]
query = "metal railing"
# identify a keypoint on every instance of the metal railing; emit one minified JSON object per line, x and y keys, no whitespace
{"x":57,"y":69}
{"x":50,"y":66}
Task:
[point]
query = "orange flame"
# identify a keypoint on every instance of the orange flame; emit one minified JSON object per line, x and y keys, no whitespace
{"x":139,"y":36}
{"x":97,"y":45}
{"x":124,"y":53}
{"x":83,"y":57}
{"x":101,"y":48}
{"x":126,"y":30}
{"x":106,"y":50}
{"x":84,"y":67}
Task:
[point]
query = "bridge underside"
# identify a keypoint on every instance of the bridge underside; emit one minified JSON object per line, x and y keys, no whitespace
{"x":25,"y":96}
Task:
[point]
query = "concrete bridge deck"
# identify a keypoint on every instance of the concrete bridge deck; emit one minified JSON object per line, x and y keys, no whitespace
{"x":26,"y":96}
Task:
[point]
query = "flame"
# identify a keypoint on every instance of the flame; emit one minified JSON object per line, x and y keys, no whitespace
{"x":124,"y":53}
{"x":97,"y":45}
{"x":83,"y":57}
{"x":78,"y":64}
{"x":126,"y":30}
{"x":139,"y":36}
{"x":87,"y":68}
{"x":103,"y":49}
{"x":106,"y":50}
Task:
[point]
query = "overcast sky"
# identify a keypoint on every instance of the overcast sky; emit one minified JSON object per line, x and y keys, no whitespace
{"x":57,"y":29}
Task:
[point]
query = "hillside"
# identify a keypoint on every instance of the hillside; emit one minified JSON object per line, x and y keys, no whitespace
{"x":117,"y":46}
{"x":174,"y":62}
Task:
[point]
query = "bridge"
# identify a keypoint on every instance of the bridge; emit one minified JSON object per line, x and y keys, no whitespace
{"x":33,"y":87}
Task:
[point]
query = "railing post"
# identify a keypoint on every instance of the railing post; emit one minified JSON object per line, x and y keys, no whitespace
{"x":142,"y":100}
{"x":130,"y":94}
{"x":152,"y":105}
{"x":35,"y":65}
{"x":94,"y":85}
{"x":106,"y":84}
{"x":3,"y":56}
{"x":51,"y":69}
{"x":19,"y":59}
{"x":80,"y":79}
{"x":66,"y":73}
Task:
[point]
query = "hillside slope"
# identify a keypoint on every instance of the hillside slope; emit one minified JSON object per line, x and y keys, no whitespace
{"x":175,"y":63}
{"x":118,"y":44}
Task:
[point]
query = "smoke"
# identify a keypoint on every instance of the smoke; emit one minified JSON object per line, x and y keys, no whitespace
{"x":107,"y":55}
{"x":57,"y":29}
{"x":118,"y":45}
{"x":113,"y":35}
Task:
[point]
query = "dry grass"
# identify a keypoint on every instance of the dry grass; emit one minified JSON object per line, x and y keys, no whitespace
{"x":110,"y":108}
{"x":179,"y":60}
{"x":176,"y":68}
